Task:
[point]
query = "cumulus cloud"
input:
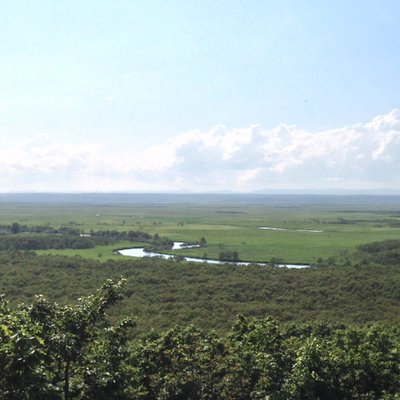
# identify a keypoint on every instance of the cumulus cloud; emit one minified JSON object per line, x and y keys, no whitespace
{"x":360,"y":156}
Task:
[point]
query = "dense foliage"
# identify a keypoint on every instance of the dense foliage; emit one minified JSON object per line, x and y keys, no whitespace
{"x":228,"y":256}
{"x":161,"y":293}
{"x":43,"y":237}
{"x":16,"y":227}
{"x":44,"y":241}
{"x":386,"y":252}
{"x":48,"y":351}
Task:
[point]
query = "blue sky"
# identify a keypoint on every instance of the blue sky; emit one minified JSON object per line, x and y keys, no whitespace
{"x":199,"y":95}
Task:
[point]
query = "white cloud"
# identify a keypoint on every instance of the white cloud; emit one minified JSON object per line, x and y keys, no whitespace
{"x":360,"y":156}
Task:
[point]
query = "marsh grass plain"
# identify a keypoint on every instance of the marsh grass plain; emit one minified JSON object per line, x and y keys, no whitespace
{"x":227,"y":226}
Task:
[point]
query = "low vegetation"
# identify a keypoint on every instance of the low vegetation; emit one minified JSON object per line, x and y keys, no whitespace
{"x":228,"y":226}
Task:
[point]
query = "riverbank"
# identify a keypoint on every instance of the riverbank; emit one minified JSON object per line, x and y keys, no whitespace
{"x":140,"y":252}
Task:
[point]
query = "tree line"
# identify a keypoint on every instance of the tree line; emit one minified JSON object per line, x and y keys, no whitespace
{"x":43,"y":237}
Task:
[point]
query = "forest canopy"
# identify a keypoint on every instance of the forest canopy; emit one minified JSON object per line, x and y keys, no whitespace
{"x":49,"y":351}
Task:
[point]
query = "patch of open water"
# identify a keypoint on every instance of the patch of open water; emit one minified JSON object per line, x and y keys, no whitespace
{"x":270,"y":228}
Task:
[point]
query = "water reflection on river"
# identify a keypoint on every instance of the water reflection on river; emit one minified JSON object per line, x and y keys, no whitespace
{"x":139,"y":252}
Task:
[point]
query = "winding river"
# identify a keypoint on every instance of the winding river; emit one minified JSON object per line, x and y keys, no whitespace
{"x":139,"y":252}
{"x":270,"y":228}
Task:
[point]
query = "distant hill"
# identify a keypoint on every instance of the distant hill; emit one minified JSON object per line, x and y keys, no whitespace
{"x":201,"y":199}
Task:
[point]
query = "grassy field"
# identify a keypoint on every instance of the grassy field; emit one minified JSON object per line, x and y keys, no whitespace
{"x":233,"y":227}
{"x":101,"y":253}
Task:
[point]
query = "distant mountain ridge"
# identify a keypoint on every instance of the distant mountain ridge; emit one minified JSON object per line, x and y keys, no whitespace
{"x":200,"y":198}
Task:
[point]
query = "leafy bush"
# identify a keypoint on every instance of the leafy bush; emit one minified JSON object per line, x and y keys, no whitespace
{"x":48,"y":351}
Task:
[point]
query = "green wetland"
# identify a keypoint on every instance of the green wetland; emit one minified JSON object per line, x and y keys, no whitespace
{"x":228,"y":223}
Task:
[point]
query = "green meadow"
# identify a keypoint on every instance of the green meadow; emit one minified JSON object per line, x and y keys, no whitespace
{"x":226,"y":227}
